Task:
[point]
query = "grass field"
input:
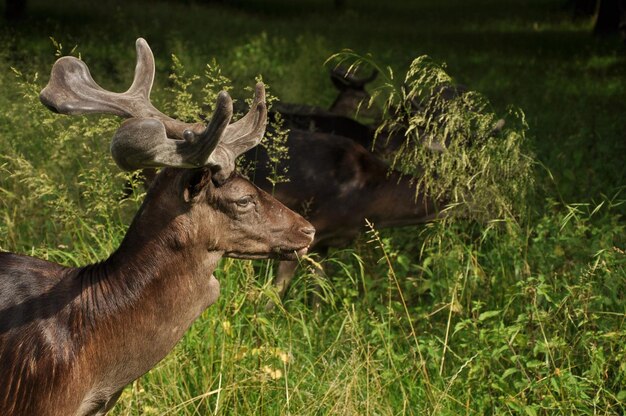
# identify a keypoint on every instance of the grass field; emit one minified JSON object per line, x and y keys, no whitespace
{"x":527,"y":317}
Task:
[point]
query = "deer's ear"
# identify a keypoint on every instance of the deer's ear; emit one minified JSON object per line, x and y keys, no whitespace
{"x":195,"y":183}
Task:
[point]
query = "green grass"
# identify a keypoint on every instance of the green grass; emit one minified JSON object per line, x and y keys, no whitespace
{"x":449,"y":318}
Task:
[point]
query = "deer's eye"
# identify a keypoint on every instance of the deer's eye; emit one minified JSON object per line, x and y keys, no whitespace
{"x":244,"y":202}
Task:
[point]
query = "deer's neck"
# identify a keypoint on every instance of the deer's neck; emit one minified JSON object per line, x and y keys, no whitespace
{"x":138,"y":304}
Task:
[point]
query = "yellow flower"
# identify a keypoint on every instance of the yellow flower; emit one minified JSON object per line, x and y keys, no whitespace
{"x":273,"y":373}
{"x":227,"y":327}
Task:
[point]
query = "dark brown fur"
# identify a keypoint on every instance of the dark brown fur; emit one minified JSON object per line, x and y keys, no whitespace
{"x":336,"y":184}
{"x":72,"y":338}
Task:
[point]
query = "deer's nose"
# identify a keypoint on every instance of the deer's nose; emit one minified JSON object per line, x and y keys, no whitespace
{"x":308,"y":231}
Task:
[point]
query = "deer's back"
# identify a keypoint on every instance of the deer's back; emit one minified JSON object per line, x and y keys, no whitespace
{"x":24,"y":277}
{"x":35,"y":338}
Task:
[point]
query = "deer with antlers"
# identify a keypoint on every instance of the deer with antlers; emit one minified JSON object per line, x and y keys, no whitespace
{"x":72,"y":338}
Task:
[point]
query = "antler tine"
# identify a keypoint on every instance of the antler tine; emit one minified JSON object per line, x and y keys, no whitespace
{"x":72,"y":90}
{"x":241,"y":136}
{"x":144,"y":71}
{"x":249,"y":129}
{"x":144,"y":142}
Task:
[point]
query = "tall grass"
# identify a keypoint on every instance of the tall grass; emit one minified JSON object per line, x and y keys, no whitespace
{"x":456,"y":148}
{"x":450,"y":318}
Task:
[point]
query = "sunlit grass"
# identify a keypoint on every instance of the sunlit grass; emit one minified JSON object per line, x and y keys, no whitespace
{"x":462,"y":318}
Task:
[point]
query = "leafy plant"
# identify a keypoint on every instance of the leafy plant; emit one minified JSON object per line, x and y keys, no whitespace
{"x":454,"y":145}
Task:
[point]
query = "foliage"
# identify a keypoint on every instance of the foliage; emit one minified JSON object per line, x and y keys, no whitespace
{"x":277,"y":151}
{"x":182,"y":106}
{"x":456,"y":317}
{"x":39,"y":205}
{"x":454,"y":144}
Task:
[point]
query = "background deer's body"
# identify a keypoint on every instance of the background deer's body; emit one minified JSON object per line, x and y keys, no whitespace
{"x":336,"y":184}
{"x":337,"y":175}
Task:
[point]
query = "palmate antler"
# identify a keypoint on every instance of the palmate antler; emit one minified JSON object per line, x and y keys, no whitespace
{"x":150,"y":138}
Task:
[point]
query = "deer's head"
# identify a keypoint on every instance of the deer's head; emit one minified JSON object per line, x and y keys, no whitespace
{"x":199,"y":194}
{"x":352,"y":94}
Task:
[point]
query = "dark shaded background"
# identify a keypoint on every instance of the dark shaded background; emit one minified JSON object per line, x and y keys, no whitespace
{"x":561,"y":61}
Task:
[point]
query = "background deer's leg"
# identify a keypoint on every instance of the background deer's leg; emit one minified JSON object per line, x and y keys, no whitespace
{"x":317,"y":292}
{"x":284,"y":275}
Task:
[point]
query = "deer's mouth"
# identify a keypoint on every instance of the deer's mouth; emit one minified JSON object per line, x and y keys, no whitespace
{"x":290,"y":253}
{"x":277,"y":253}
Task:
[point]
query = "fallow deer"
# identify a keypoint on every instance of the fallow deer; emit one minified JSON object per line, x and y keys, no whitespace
{"x":339,"y":119}
{"x":353,"y":100}
{"x":336,"y":184}
{"x":72,"y":338}
{"x":355,"y":183}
